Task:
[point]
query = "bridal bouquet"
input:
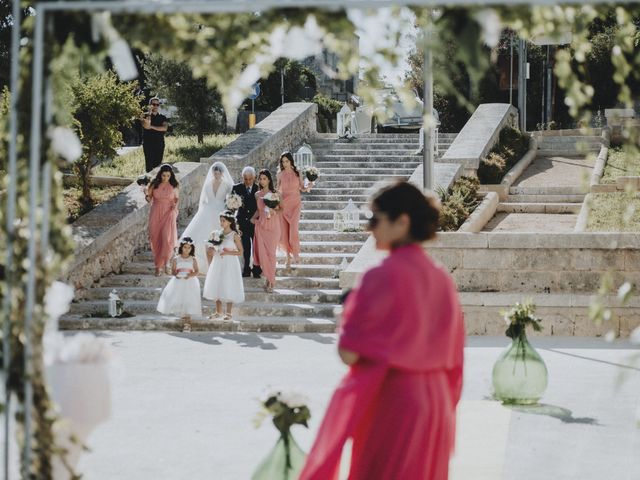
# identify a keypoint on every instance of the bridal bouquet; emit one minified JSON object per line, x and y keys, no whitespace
{"x":216,"y":237}
{"x":233,"y":201}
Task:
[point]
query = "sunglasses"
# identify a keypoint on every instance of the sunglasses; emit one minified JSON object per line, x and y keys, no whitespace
{"x":373,"y":220}
{"x":155,"y":104}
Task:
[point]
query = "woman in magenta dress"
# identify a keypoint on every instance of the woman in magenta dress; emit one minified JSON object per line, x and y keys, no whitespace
{"x":289,"y":185}
{"x":403,"y":336}
{"x":163,"y":231}
{"x":267,"y":231}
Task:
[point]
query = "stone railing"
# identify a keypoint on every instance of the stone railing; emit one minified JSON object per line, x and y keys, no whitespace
{"x":109,"y":235}
{"x":479,"y":135}
{"x":289,"y":126}
{"x":559,"y":271}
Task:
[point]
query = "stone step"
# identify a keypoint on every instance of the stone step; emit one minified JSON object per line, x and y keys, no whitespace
{"x":310,"y":205}
{"x":252,"y":294}
{"x":240,"y":323}
{"x":539,"y":207}
{"x":100,"y":308}
{"x":151,"y":281}
{"x":306,"y":258}
{"x":346,"y":182}
{"x":365,"y":149}
{"x":564,"y":152}
{"x":334,"y":175}
{"x":323,"y":225}
{"x":555,"y":190}
{"x":367,"y":158}
{"x":569,"y":139}
{"x":319,"y":236}
{"x":325,"y":194}
{"x":342,"y":172}
{"x":544,"y":198}
{"x":362,"y":165}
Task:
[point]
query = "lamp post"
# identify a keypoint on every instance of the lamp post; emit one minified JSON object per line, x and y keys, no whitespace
{"x":427,"y":112}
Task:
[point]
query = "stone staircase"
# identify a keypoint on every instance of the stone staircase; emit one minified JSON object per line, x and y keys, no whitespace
{"x":305,"y":296}
{"x":548,"y":195}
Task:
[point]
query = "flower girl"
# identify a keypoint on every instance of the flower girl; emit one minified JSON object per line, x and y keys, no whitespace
{"x":181,"y":296}
{"x":224,"y":276}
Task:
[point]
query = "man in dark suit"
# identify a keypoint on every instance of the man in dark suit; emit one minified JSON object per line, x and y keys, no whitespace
{"x":247,"y":190}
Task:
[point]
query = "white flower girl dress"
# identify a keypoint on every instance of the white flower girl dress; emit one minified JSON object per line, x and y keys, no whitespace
{"x":224,"y":277}
{"x":181,"y":296}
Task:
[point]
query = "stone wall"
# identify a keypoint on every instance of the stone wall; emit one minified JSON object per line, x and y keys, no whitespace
{"x":109,"y":235}
{"x":480,"y":134}
{"x":285,"y":129}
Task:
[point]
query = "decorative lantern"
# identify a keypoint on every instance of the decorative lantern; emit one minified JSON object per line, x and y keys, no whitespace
{"x":303,"y":157}
{"x":116,"y":306}
{"x":347,"y":219}
{"x":341,"y":267}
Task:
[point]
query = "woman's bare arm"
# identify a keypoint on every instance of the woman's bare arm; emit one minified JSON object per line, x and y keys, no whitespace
{"x":347,"y":356}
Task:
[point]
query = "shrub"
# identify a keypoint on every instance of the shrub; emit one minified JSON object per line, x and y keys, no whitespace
{"x":458,"y":202}
{"x":328,"y":108}
{"x":511,"y":146}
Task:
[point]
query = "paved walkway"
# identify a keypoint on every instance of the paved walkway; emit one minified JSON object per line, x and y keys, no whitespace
{"x":557,"y":172}
{"x":184,"y":403}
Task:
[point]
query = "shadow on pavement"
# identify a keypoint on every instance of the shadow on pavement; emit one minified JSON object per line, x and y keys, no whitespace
{"x":563,"y":414}
{"x":251,"y":339}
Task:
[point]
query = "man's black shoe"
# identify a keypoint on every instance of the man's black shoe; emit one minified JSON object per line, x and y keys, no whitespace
{"x":246,"y":274}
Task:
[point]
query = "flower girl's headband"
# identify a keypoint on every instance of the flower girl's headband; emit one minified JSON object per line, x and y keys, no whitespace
{"x":229,"y":215}
{"x":187,"y":240}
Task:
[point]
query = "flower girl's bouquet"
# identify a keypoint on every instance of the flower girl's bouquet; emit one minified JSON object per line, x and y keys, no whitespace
{"x":271,"y":200}
{"x":233,"y":201}
{"x":216,"y":238}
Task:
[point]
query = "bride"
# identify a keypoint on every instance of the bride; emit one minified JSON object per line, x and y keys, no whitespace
{"x":212,"y":203}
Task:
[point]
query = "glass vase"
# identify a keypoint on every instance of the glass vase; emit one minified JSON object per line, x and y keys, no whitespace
{"x":275,"y":465}
{"x":519,"y":374}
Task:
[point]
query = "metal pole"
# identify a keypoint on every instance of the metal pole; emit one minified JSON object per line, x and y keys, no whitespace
{"x":11,"y":216}
{"x":34,"y":174}
{"x":522,"y":84}
{"x":428,"y":120}
{"x":549,"y":73}
{"x":511,"y":69}
{"x":282,"y":85}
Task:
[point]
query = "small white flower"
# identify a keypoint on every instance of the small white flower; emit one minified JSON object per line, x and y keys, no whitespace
{"x":65,"y":143}
{"x":635,"y":336}
{"x":610,"y":336}
{"x":293,"y":399}
{"x":616,"y":50}
{"x":491,"y":25}
{"x":80,"y":348}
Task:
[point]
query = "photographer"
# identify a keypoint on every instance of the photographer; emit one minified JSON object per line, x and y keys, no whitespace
{"x":154,"y":126}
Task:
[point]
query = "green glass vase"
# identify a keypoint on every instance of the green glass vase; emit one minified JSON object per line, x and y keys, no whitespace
{"x":280,"y":466}
{"x":519,"y":374}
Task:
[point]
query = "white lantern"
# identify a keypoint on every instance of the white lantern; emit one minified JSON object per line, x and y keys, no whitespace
{"x":116,"y":306}
{"x":303,"y":157}
{"x":347,"y":219}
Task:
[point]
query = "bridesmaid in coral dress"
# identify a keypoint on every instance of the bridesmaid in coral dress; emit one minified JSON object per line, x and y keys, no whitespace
{"x":403,"y":336}
{"x":267,"y":232}
{"x":163,"y":230}
{"x":289,"y":185}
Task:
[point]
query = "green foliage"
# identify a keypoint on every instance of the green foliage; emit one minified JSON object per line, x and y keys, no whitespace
{"x":4,"y":126}
{"x":299,"y":85}
{"x":199,"y":109}
{"x":102,"y":106}
{"x":519,"y":318}
{"x":511,"y":146}
{"x":620,"y":162}
{"x":458,"y":203}
{"x":181,"y":148}
{"x":328,"y":108}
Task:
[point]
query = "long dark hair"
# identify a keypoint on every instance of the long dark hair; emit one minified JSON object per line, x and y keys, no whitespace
{"x":289,"y":157}
{"x":158,"y":180}
{"x":403,"y":197}
{"x":187,"y":241}
{"x":267,"y":174}
{"x":229,"y":215}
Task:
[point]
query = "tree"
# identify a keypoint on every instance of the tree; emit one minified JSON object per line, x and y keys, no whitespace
{"x":299,"y":84}
{"x":102,"y":106}
{"x":199,"y":109}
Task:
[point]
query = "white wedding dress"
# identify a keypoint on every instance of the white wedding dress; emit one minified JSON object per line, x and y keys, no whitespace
{"x":207,"y":218}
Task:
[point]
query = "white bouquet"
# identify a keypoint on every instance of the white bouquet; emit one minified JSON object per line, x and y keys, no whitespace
{"x":271,"y":200}
{"x":216,"y":237}
{"x":312,"y":173}
{"x":233,"y":201}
